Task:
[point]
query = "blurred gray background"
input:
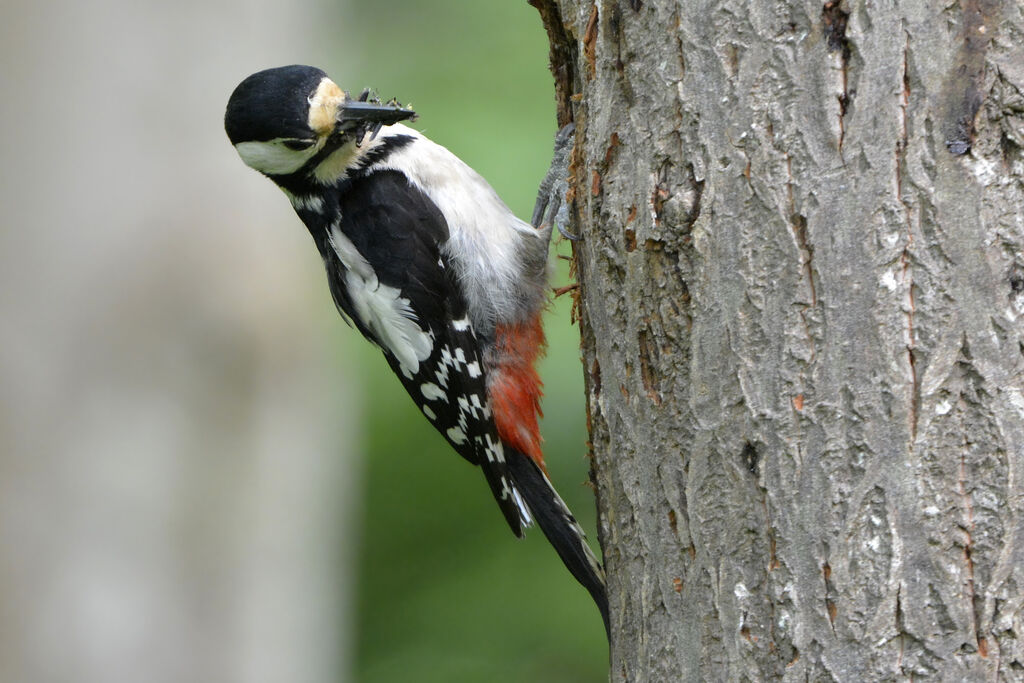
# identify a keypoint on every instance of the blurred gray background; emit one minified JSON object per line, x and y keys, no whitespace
{"x":166,"y":388}
{"x":186,"y":425}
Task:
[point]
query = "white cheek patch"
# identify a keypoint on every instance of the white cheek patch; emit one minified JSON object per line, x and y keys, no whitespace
{"x":272,"y":157}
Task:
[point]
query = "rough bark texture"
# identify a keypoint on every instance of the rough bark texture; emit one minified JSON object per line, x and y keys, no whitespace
{"x":802,"y":303}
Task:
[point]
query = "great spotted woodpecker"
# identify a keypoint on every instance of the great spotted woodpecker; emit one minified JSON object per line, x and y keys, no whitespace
{"x":428,"y":263}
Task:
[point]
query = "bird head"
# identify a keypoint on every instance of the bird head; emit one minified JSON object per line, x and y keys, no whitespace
{"x":279,"y":119}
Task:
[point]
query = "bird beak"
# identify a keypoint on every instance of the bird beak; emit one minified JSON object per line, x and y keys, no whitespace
{"x":372,"y":115}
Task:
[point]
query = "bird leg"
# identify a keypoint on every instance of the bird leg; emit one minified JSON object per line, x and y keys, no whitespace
{"x":552,"y":207}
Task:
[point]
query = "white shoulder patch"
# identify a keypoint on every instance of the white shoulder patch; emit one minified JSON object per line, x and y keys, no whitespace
{"x":486,"y":240}
{"x":313,"y":202}
{"x":381,"y":308}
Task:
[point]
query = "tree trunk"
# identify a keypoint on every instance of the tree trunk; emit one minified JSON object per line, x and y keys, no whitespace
{"x":802,"y":309}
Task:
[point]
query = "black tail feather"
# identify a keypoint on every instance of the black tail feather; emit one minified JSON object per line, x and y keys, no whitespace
{"x":559,"y":526}
{"x":498,"y":479}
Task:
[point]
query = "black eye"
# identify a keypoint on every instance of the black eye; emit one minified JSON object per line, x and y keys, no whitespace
{"x":298,"y":145}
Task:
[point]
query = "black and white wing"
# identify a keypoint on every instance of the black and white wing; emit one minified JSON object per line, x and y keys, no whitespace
{"x":392,"y":281}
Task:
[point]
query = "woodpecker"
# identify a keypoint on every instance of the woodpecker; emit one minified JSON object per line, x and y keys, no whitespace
{"x":426,"y":261}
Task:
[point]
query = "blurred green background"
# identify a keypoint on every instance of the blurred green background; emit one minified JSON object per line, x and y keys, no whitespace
{"x":204,"y":474}
{"x":445,"y":592}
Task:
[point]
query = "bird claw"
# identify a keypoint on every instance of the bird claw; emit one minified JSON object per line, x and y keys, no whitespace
{"x":566,"y":234}
{"x":551,"y":207}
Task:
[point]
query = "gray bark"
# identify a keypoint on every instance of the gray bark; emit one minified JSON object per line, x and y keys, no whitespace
{"x":802,"y":307}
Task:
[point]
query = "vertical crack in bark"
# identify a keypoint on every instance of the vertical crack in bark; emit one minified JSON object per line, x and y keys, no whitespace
{"x":604,"y":166}
{"x":830,"y":605}
{"x":773,"y":559}
{"x":773,"y":563}
{"x":562,"y":57}
{"x":661,"y":192}
{"x":798,"y":224}
{"x":616,"y":35}
{"x":630,"y":240}
{"x":696,"y":197}
{"x":906,"y":272}
{"x":647,"y":373}
{"x":677,"y":24}
{"x":898,"y":619}
{"x":590,"y":43}
{"x":915,"y":381}
{"x":751,"y":458}
{"x":834,"y":17}
{"x":576,"y":218}
{"x":968,"y":526}
{"x":964,"y":88}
